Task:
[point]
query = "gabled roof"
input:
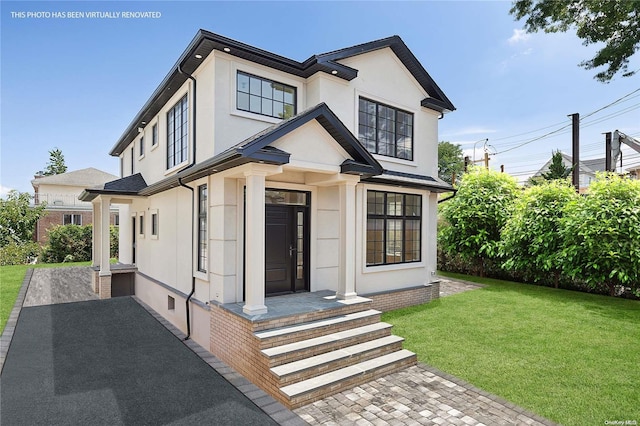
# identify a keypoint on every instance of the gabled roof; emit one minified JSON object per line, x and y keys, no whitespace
{"x":83,"y":177}
{"x":255,"y":149}
{"x":206,"y":42}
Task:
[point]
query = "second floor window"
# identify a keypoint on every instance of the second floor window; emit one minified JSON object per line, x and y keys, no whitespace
{"x":154,"y":135}
{"x":265,"y":97}
{"x":177,"y":133}
{"x":385,"y":130}
{"x":141,"y":147}
{"x":72,"y":219}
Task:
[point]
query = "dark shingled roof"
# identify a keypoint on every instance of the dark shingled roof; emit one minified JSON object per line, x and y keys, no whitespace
{"x":130,"y":185}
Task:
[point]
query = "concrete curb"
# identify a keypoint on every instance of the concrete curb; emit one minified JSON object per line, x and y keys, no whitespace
{"x":10,"y":326}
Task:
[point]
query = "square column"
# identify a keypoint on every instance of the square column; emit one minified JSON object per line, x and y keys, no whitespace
{"x":255,"y":241}
{"x":95,"y":233}
{"x":105,"y":248}
{"x":347,"y":260}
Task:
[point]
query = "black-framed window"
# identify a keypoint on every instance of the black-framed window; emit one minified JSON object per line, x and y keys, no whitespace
{"x":154,"y":135}
{"x":141,"y":153}
{"x":385,"y":130}
{"x":177,"y":132}
{"x":265,"y":97}
{"x":132,"y":158}
{"x":72,"y":219}
{"x":202,"y":228}
{"x":154,"y":224}
{"x":141,"y":225}
{"x":394,"y":223}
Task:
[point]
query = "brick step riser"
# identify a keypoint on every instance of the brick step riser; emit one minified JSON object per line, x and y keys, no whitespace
{"x":271,"y":342}
{"x":327,"y":391}
{"x":276,"y":360}
{"x":311,"y":316}
{"x":338,"y":364}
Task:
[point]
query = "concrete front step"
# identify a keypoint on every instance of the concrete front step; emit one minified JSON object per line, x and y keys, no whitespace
{"x":324,"y":363}
{"x":308,"y":390}
{"x":293,"y":333}
{"x":329,"y":342}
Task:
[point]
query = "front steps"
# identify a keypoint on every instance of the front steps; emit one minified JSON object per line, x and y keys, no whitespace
{"x":337,"y":350}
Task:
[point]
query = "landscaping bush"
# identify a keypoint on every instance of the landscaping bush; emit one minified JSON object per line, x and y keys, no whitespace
{"x":68,"y":243}
{"x":531,"y":241}
{"x":474,"y":217}
{"x":19,"y":253}
{"x":601,"y":235}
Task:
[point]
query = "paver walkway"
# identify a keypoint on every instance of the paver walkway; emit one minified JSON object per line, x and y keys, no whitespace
{"x":60,"y":285}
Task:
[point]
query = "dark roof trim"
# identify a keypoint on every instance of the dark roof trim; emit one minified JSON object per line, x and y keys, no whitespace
{"x":417,"y":181}
{"x":205,"y":42}
{"x":127,"y":186}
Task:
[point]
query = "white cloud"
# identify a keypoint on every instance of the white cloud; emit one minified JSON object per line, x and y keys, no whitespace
{"x":519,"y":36}
{"x":4,"y":191}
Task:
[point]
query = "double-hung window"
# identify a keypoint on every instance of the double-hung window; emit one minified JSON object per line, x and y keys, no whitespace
{"x":177,"y":133}
{"x":265,"y":97}
{"x":385,"y":130}
{"x":72,"y":219}
{"x":202,"y":228}
{"x":393,"y":228}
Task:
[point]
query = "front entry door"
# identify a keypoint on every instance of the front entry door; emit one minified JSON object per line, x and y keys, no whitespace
{"x":286,"y":249}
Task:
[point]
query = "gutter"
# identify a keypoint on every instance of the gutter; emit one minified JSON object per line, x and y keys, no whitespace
{"x":448,"y":198}
{"x":193,"y":222}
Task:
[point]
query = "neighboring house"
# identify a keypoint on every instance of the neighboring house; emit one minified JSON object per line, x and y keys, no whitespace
{"x":588,"y":169}
{"x":247,"y":175}
{"x":60,"y":193}
{"x":634,"y":172}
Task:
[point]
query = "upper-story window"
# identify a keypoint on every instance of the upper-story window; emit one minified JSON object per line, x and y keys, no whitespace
{"x":266,"y":97}
{"x":154,"y":135}
{"x":385,"y":130}
{"x":177,"y":133}
{"x":141,"y":153}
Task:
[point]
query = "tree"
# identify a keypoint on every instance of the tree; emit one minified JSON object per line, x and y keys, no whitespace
{"x":18,"y":218}
{"x":474,"y":217}
{"x":614,"y":23}
{"x":601,"y":234}
{"x":56,"y":164}
{"x":450,"y":161}
{"x":557,"y":169}
{"x":530,"y":239}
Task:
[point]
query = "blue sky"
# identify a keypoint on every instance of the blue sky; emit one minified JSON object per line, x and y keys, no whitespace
{"x":76,"y":84}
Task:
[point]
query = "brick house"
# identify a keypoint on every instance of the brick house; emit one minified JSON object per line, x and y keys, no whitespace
{"x":60,"y":193}
{"x":272,"y":208}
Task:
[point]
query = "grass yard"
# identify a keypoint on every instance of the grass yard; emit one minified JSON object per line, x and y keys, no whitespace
{"x":11,"y":278}
{"x":571,"y":357}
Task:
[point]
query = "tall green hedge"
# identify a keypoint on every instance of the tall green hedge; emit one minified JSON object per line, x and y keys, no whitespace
{"x":72,"y":243}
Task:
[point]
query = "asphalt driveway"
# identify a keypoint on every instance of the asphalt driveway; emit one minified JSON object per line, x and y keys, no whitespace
{"x":109,"y":362}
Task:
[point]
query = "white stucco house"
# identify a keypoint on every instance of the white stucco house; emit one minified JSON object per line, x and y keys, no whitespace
{"x":266,"y":201}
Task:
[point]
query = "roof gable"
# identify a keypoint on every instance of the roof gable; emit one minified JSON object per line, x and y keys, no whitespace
{"x":83,"y":177}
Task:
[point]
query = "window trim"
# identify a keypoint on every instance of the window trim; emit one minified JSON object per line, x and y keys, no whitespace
{"x":203,"y":246}
{"x":141,"y":148}
{"x":175,"y":165}
{"x":264,"y":79}
{"x":154,"y":226}
{"x":71,"y":218}
{"x":141,"y":224}
{"x":385,"y":216}
{"x":155,"y":135}
{"x":395,"y":143}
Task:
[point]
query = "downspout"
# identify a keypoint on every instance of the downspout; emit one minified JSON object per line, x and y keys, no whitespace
{"x":193,"y":222}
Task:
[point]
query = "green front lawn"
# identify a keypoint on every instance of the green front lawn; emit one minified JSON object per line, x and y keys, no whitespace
{"x":11,"y":278}
{"x":571,"y":357}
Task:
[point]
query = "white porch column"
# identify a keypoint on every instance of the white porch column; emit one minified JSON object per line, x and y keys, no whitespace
{"x":105,"y":241}
{"x":95,"y":233}
{"x":255,"y":240}
{"x":347,"y":261}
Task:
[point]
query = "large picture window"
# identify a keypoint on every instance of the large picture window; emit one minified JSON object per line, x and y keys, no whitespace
{"x":385,"y":130}
{"x":393,"y":228}
{"x":265,"y":97}
{"x":202,"y":228}
{"x":177,"y":133}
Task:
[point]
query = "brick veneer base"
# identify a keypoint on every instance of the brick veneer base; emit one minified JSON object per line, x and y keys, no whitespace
{"x":396,"y":299}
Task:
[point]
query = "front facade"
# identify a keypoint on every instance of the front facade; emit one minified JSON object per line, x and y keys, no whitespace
{"x":60,"y":195}
{"x":248,"y":176}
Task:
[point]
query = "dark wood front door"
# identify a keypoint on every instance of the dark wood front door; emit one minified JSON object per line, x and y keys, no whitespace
{"x":286,"y":249}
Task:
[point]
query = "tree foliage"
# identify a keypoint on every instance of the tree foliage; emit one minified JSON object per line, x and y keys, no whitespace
{"x":601,"y":234}
{"x":613,"y":23}
{"x":450,"y":160}
{"x":56,"y":164}
{"x":17,"y":218}
{"x":72,"y":243}
{"x":557,"y":169}
{"x":474,"y":217}
{"x":530,"y":237}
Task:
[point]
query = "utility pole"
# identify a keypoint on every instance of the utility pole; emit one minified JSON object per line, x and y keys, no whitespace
{"x":607,"y":152}
{"x":466,"y":162}
{"x":501,"y":168}
{"x":575,"y":135}
{"x":486,"y":160}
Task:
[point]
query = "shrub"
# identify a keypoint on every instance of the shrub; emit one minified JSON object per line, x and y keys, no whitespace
{"x":531,"y":241}
{"x":601,"y":234}
{"x":19,"y":253}
{"x":474,"y":217}
{"x":68,"y":243}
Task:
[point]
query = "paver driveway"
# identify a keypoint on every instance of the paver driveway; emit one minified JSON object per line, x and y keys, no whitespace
{"x":110,"y":362}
